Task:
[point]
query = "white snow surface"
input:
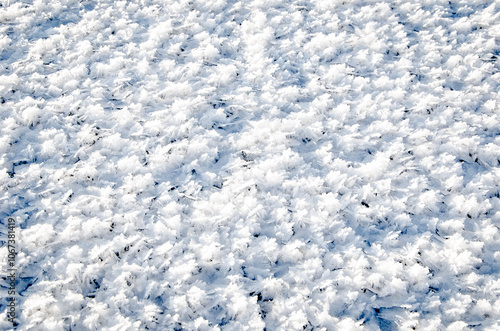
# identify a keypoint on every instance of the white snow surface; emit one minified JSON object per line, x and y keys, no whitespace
{"x":251,"y":165}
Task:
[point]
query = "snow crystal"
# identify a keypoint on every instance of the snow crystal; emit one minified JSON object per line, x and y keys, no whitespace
{"x":232,"y":165}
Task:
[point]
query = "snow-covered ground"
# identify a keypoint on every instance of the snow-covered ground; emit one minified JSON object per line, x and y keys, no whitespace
{"x":251,"y":165}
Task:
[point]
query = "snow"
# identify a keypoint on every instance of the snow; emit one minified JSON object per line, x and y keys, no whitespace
{"x":241,"y":165}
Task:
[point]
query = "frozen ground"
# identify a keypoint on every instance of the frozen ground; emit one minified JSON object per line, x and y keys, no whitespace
{"x":225,"y":165}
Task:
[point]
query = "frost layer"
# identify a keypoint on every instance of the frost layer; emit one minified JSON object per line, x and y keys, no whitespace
{"x":224,"y":165}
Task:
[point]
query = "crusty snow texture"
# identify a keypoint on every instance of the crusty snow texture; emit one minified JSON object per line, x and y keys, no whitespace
{"x":241,"y":165}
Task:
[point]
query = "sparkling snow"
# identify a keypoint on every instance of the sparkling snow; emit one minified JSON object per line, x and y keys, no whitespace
{"x":241,"y":165}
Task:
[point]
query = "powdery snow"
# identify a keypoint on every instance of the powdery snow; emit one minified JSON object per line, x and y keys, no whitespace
{"x":225,"y":165}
